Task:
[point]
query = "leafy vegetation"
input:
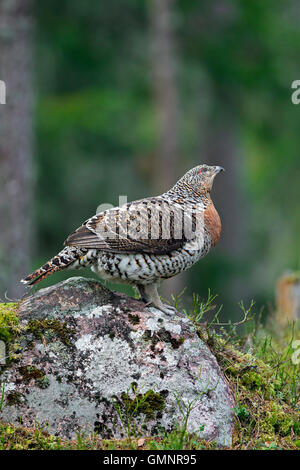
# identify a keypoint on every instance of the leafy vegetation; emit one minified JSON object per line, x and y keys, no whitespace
{"x":264,"y":379}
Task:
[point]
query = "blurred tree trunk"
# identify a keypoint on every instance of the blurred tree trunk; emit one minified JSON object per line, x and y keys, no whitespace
{"x":165,"y":94}
{"x":16,"y":144}
{"x":166,"y":169}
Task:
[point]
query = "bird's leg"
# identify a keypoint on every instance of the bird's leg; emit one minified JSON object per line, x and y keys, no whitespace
{"x":143,"y":296}
{"x":150,"y":295}
{"x":141,"y":290}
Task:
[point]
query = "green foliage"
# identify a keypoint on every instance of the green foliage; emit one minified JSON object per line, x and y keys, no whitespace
{"x":242,"y":413}
{"x":9,"y":321}
{"x":10,"y":330}
{"x":2,"y":395}
{"x":134,"y":403}
{"x":260,"y":369}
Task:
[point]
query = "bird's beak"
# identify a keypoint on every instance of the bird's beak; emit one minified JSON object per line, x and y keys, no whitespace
{"x":218,"y":169}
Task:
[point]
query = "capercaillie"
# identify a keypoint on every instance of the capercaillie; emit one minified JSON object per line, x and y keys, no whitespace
{"x":145,"y":241}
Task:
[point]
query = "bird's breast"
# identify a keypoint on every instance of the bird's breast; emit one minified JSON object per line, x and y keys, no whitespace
{"x":212,"y":223}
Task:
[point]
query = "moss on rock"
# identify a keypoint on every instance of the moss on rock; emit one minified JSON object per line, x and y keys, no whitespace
{"x":133,"y":319}
{"x":10,"y":331}
{"x":31,"y":372}
{"x":49,"y":328}
{"x":9,"y":321}
{"x":149,"y":403}
{"x":264,"y":414}
{"x":14,"y":399}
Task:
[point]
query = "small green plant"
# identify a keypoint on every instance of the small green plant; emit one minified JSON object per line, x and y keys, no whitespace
{"x":185,"y":411}
{"x":180,"y":438}
{"x":2,"y":396}
{"x":257,"y":361}
{"x":201,"y":308}
{"x":241,"y":412}
{"x":279,"y":353}
{"x":134,"y":403}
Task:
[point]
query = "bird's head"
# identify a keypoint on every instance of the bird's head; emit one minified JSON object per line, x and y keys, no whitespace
{"x":199,"y":180}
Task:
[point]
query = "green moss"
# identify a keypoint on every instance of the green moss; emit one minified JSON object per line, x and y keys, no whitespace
{"x":14,"y":399}
{"x":297,"y":443}
{"x":10,"y":331}
{"x":149,"y":403}
{"x":31,"y":372}
{"x":49,"y":328}
{"x":20,"y":438}
{"x":133,"y":319}
{"x":164,"y":336}
{"x":152,"y":404}
{"x":282,"y":422}
{"x":253,"y":380}
{"x":263,"y":408}
{"x":43,"y":382}
{"x":9,"y":321}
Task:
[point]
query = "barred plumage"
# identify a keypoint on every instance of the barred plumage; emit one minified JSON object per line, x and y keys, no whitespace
{"x":145,"y":241}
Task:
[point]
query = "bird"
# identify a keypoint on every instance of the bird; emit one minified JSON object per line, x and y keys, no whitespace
{"x":143,"y":242}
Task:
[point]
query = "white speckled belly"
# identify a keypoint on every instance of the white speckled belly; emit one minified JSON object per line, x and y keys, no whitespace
{"x":148,"y":268}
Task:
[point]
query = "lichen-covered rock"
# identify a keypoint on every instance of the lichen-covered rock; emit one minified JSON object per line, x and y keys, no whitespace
{"x":102,"y":362}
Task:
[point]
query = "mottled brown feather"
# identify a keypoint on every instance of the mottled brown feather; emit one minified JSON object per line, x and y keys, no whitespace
{"x":89,"y":234}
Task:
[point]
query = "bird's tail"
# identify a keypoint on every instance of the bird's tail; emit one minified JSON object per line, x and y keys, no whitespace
{"x":66,"y":258}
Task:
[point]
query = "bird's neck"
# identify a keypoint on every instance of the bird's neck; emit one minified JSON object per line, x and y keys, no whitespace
{"x":186,"y":193}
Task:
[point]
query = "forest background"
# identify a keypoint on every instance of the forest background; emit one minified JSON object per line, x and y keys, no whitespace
{"x":122,"y":98}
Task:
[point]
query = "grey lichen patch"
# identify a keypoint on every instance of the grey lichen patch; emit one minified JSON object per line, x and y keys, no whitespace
{"x":70,"y":296}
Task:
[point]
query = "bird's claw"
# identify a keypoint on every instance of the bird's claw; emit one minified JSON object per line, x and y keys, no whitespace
{"x":168,"y":309}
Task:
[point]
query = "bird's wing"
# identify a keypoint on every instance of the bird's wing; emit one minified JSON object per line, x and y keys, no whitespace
{"x":149,"y":226}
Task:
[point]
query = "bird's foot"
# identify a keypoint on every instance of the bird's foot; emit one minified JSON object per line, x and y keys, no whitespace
{"x":150,"y":296}
{"x":168,"y":309}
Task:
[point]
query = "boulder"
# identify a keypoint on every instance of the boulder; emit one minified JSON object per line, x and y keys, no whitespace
{"x":97,"y":361}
